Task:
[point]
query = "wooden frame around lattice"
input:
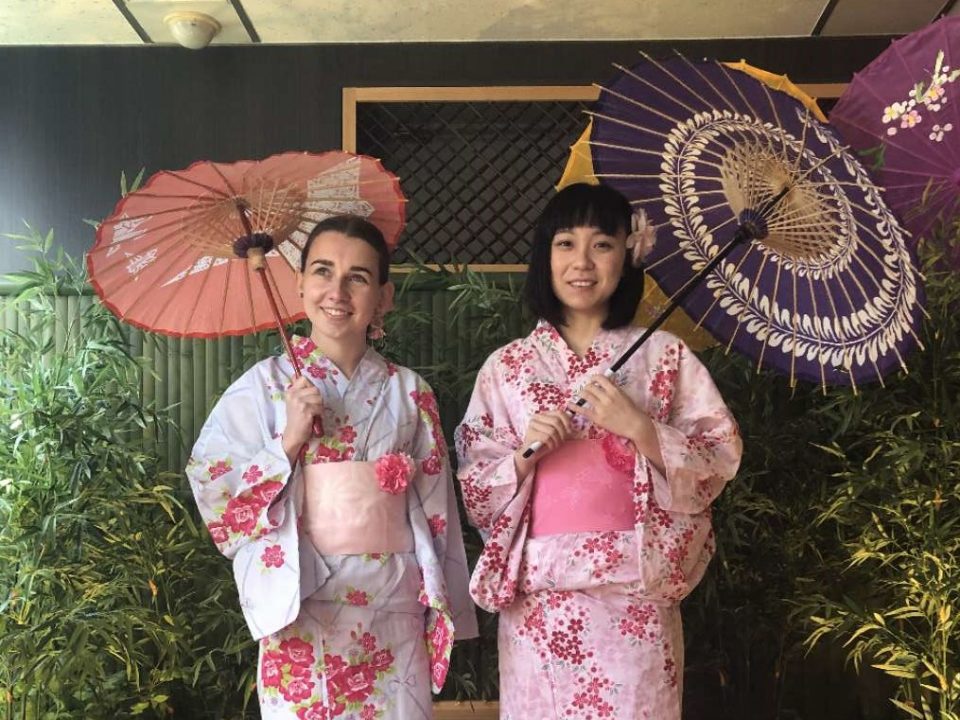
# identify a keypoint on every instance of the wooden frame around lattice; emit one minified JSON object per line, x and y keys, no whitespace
{"x":356,"y":96}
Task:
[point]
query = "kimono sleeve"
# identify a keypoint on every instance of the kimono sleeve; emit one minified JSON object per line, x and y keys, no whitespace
{"x":486,"y":441}
{"x":438,"y":540}
{"x":699,"y":438}
{"x":238,"y":467}
{"x":495,"y":498}
{"x":437,"y":497}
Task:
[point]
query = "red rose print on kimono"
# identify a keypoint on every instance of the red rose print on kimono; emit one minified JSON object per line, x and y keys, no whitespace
{"x":422,"y":596}
{"x":252,"y":475}
{"x":357,"y":597}
{"x":286,"y":669}
{"x":439,"y":638}
{"x":333,"y":663}
{"x":264,"y":493}
{"x":347,"y":434}
{"x":316,"y":711}
{"x":437,"y":525}
{"x":218,"y":532}
{"x":297,"y":689}
{"x":438,"y":672}
{"x":381,"y":660}
{"x":329,"y":449}
{"x":432,"y":465}
{"x":367,"y":641}
{"x":298,"y":651}
{"x":303,"y":348}
{"x":426,"y":401}
{"x":315,"y":371}
{"x":315,"y":363}
{"x":271,"y":668}
{"x":219,"y":468}
{"x":352,"y":683}
{"x":241,"y":514}
{"x":272,"y":556}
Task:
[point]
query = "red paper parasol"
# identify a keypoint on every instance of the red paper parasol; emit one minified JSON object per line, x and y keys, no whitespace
{"x":180,"y":255}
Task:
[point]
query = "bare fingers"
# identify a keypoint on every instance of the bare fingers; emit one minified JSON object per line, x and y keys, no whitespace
{"x":551,"y":429}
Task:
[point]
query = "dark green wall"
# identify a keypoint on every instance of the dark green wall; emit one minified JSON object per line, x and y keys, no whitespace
{"x":71,"y":118}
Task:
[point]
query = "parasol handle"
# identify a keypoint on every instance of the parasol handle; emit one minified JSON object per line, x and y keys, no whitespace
{"x":254,"y":247}
{"x":752,"y":226}
{"x":284,"y":338}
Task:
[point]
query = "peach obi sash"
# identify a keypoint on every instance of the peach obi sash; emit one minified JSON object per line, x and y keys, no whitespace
{"x":576,"y":490}
{"x":346,"y":513}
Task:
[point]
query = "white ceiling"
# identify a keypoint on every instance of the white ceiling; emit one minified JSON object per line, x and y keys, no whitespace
{"x":133,"y":22}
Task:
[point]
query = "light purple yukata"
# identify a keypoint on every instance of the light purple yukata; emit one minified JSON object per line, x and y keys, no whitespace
{"x":357,"y":637}
{"x":590,"y":621}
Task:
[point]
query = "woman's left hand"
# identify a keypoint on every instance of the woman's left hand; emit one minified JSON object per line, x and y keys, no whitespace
{"x":609,"y":407}
{"x":612,"y":409}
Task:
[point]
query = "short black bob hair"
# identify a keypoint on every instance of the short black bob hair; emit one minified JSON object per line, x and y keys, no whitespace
{"x":356,"y":227}
{"x":581,"y":205}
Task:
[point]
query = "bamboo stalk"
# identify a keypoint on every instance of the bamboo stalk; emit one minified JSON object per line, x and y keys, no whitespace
{"x":185,"y":383}
{"x":210,"y":379}
{"x":200,"y":349}
{"x":148,"y":351}
{"x":161,"y":362}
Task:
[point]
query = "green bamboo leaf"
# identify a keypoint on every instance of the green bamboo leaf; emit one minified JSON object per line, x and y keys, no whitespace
{"x":909,"y":709}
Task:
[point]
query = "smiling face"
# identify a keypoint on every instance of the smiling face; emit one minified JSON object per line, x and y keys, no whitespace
{"x":341,"y":289}
{"x":586,"y":265}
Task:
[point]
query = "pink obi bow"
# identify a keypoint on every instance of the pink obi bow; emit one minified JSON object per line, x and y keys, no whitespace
{"x":577,"y":489}
{"x":347,"y":512}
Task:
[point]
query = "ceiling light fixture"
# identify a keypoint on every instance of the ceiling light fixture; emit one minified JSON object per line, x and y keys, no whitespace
{"x":193,"y":30}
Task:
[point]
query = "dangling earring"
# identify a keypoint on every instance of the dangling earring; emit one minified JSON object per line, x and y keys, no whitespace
{"x":375,"y":330}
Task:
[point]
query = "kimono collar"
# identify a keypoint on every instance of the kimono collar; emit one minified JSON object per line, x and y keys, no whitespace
{"x":605,"y":348}
{"x":318,"y":366}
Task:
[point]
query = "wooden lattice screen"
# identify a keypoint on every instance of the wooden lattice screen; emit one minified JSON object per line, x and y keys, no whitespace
{"x":476,"y":163}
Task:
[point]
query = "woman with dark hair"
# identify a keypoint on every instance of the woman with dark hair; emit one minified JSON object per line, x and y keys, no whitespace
{"x":332,"y":495}
{"x":591,"y":543}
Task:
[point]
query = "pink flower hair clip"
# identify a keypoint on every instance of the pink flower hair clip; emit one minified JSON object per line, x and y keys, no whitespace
{"x":642,"y":238}
{"x":394,"y":472}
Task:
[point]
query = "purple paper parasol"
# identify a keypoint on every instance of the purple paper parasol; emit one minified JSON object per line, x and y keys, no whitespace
{"x":823,"y":287}
{"x":905,"y":106}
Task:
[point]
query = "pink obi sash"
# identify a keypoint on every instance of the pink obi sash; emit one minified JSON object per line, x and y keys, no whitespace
{"x":346,"y":513}
{"x":576,"y":490}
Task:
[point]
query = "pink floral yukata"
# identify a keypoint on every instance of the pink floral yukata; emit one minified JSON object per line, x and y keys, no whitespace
{"x":590,"y":621}
{"x":341,"y":636}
